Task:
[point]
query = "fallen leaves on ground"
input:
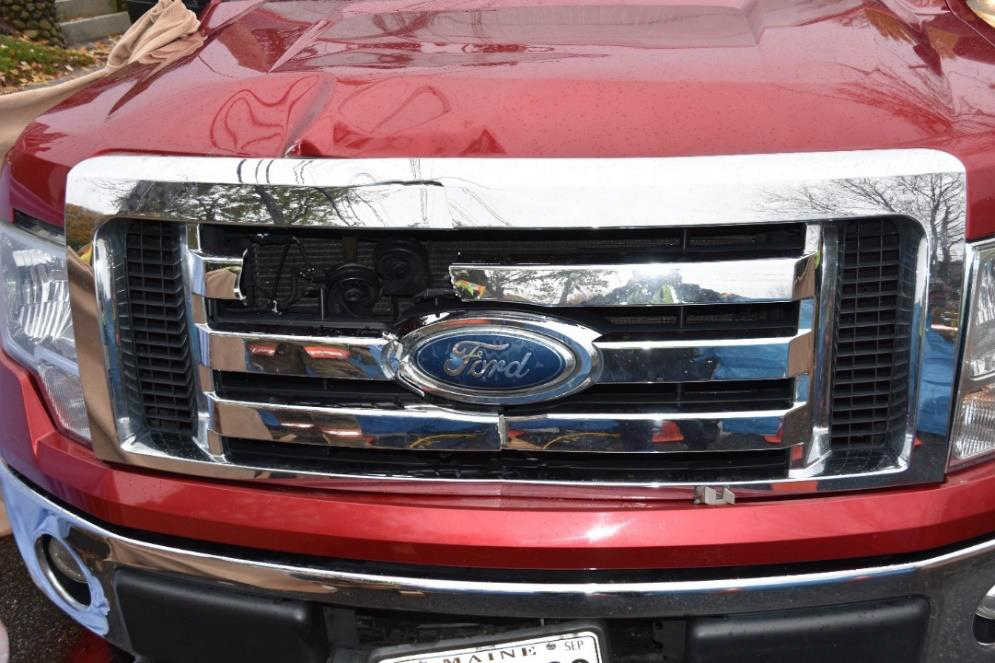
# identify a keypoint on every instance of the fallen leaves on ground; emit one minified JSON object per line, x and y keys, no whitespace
{"x":26,"y":63}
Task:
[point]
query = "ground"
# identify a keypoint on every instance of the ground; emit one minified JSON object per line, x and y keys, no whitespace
{"x":25,"y":63}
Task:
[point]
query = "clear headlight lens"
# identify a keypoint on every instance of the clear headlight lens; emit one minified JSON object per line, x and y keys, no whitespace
{"x":37,"y":327}
{"x":974,"y":423}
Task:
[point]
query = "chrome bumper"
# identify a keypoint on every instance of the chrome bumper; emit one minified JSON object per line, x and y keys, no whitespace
{"x":954,"y":582}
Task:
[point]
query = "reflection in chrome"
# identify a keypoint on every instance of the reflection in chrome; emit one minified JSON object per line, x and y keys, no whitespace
{"x":660,"y":432}
{"x":363,"y":358}
{"x":343,"y":358}
{"x":821,"y":189}
{"x":215,"y":277}
{"x":433,"y":428}
{"x":416,"y":427}
{"x":649,"y":284}
{"x":706,"y":360}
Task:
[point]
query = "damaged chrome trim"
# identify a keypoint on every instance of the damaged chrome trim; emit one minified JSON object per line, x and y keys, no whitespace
{"x":215,"y":277}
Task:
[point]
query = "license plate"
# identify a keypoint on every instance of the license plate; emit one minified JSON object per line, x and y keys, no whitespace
{"x":583,"y":645}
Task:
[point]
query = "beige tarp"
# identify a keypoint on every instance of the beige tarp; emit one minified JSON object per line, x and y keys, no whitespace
{"x":163,"y":33}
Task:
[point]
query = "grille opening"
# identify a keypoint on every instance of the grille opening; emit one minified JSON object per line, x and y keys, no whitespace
{"x":875,"y":291}
{"x":286,"y":270}
{"x":512,"y":465}
{"x":155,"y":353}
{"x":662,"y":397}
{"x":699,"y":321}
{"x":762,"y":320}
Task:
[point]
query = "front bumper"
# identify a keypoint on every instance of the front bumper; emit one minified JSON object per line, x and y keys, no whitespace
{"x":952,"y":582}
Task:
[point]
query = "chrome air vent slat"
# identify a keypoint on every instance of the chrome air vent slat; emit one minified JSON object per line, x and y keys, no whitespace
{"x":423,"y":427}
{"x":360,"y":358}
{"x":215,"y":276}
{"x":646,"y":284}
{"x":341,"y":357}
{"x":705,"y":292}
{"x":405,"y":427}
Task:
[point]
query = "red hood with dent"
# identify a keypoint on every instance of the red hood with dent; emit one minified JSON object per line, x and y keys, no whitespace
{"x":542,"y":78}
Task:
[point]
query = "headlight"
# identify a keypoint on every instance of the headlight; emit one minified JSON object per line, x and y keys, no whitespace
{"x":35,"y":322}
{"x":974,"y":423}
{"x":984,"y":9}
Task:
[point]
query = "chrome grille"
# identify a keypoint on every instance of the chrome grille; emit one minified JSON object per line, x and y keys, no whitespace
{"x":742,"y":391}
{"x":723,"y":332}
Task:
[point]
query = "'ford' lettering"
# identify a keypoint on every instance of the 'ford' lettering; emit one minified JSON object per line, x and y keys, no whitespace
{"x":491,"y":361}
{"x":471,"y":357}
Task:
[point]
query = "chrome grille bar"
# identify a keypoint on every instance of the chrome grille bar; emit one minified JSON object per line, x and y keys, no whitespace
{"x":694,"y":361}
{"x":417,"y":427}
{"x":340,"y":358}
{"x":650,"y":284}
{"x":660,"y":432}
{"x":427,"y":428}
{"x":361,"y":358}
{"x":215,"y":277}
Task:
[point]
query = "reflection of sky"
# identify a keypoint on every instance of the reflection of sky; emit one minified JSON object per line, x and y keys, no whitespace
{"x":102,"y":198}
{"x":937,"y":383}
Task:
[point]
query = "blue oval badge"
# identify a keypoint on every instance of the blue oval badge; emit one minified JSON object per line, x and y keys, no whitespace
{"x":494,"y":357}
{"x":491,"y":361}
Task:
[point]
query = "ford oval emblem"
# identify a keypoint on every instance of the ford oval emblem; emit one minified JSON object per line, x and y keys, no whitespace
{"x":496,"y":358}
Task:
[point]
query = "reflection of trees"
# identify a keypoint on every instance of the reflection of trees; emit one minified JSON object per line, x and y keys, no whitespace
{"x":935,"y":199}
{"x":79,"y":227}
{"x":210,"y":203}
{"x":586,"y":287}
{"x":918,"y":91}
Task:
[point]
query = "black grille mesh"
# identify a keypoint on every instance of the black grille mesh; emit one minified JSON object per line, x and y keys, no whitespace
{"x":155,"y":351}
{"x":873,"y":325}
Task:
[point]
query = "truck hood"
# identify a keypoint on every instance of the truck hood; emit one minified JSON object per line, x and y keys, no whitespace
{"x":538,"y":78}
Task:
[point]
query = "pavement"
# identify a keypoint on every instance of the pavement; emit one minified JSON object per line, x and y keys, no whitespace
{"x":38,"y":631}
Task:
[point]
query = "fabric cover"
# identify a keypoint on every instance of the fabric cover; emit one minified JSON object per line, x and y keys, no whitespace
{"x":166,"y":31}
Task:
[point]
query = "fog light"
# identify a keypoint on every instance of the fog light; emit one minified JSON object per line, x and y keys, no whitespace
{"x":984,"y":620}
{"x":62,"y":570}
{"x":64,"y":561}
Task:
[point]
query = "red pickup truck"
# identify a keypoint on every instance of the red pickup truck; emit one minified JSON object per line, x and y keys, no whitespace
{"x":544,"y":331}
